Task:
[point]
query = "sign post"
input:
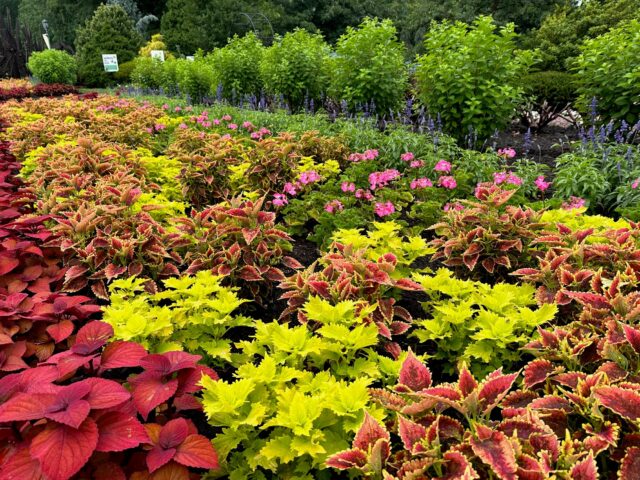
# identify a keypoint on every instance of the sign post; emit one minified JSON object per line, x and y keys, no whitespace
{"x":158,"y":55}
{"x":110,"y":62}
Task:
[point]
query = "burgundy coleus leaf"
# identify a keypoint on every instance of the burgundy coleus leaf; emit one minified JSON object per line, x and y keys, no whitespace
{"x":119,"y":431}
{"x":61,"y":330}
{"x":494,"y":388}
{"x":458,"y":467}
{"x":105,"y":393}
{"x":369,"y":433}
{"x":495,"y":450}
{"x":70,"y":407}
{"x":291,"y":263}
{"x":348,"y":459}
{"x":633,"y":337}
{"x":7,"y":264}
{"x":585,"y":469}
{"x":63,"y":450}
{"x":151,"y":390}
{"x":589,"y":299}
{"x":599,"y":441}
{"x":26,"y":406}
{"x":630,"y":466}
{"x":19,"y":465}
{"x":625,"y":403}
{"x":196,"y":451}
{"x":91,"y":337}
{"x":537,"y":372}
{"x":414,"y":375}
{"x":466,"y":382}
{"x":411,"y":433}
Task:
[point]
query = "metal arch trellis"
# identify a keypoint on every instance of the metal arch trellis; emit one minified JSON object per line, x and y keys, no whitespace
{"x":259,"y":22}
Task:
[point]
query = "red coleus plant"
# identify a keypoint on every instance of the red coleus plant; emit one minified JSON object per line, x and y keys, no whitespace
{"x":487,"y":233}
{"x":470,"y":429}
{"x":239,"y":241}
{"x":346,"y":274}
{"x":57,"y":429}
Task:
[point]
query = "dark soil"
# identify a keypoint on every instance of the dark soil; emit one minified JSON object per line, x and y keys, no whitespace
{"x":545,"y":146}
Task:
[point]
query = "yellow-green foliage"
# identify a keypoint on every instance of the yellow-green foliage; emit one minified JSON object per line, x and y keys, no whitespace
{"x":193,"y":313}
{"x":482,"y":325}
{"x":386,"y":237}
{"x":576,"y":219}
{"x":156,"y":43}
{"x":162,"y":171}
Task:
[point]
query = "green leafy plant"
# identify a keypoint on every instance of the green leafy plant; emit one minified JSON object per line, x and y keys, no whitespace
{"x":194,"y":78}
{"x":606,"y":70}
{"x":53,"y":66}
{"x":236,"y":67}
{"x":471,"y":76}
{"x":481,"y":325}
{"x":296,"y":66}
{"x":191,"y":313}
{"x":369,"y":67}
{"x":551,"y":93}
{"x":147,"y":73}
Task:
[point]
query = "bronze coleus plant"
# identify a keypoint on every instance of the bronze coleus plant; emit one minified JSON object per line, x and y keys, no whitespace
{"x":557,"y":425}
{"x":487,"y":233}
{"x":346,"y":274}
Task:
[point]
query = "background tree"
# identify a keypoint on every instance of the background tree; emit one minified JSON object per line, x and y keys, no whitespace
{"x":110,"y":30}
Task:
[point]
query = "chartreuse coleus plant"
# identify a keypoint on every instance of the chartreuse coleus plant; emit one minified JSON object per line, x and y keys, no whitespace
{"x":346,"y":273}
{"x":191,"y":313}
{"x":385,"y":237}
{"x":297,"y":397}
{"x":566,"y":425}
{"x":476,"y":323}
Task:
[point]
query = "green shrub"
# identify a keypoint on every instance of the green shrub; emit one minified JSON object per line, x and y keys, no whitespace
{"x":53,"y":66}
{"x":609,"y":70}
{"x":123,"y":75}
{"x":237,"y":66}
{"x":296,"y":67}
{"x":369,"y":67}
{"x":110,"y":31}
{"x":194,"y":78}
{"x":471,"y":75}
{"x":147,"y":73}
{"x":561,"y":33}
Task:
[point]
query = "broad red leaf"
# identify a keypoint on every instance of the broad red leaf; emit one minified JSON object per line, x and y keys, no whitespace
{"x":458,"y":467}
{"x":625,"y":403}
{"x":585,"y":469}
{"x":173,"y":433}
{"x":495,"y":388}
{"x":410,"y":432}
{"x":414,"y":374}
{"x":151,"y":392}
{"x":91,"y":337}
{"x":118,"y":432}
{"x":197,"y":452}
{"x":105,"y":393}
{"x":73,"y":413}
{"x":158,"y":456}
{"x":171,"y":471}
{"x":370,"y":431}
{"x":466,"y":383}
{"x":7,"y":264}
{"x":21,"y":466}
{"x":26,"y":406}
{"x":62,"y":450}
{"x":348,"y":459}
{"x":537,"y":372}
{"x":121,"y":354}
{"x":494,"y":449}
{"x":630,"y":467}
{"x":61,"y":330}
{"x":633,"y":337}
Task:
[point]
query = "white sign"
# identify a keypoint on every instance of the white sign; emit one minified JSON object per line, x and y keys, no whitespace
{"x":110,"y":62}
{"x":46,"y":40}
{"x":158,"y":54}
{"x":191,"y":58}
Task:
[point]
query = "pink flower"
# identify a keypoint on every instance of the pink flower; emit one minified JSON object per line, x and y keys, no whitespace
{"x":226,"y":136}
{"x":573,"y":203}
{"x":513,"y":179}
{"x":348,"y":187}
{"x":384,"y":209}
{"x":367,"y":155}
{"x":360,"y":193}
{"x":247,"y":125}
{"x":448,"y":182}
{"x":407,"y":157}
{"x":334,"y":206}
{"x":182,"y":126}
{"x":256,"y":135}
{"x":290,"y":188}
{"x":499,"y":177}
{"x":309,"y":177}
{"x":206,"y":124}
{"x":416,"y":164}
{"x":160,"y":126}
{"x":165,"y":107}
{"x":542,"y":185}
{"x":507,"y":152}
{"x":232,"y":126}
{"x":453,"y":206}
{"x":442,"y":166}
{"x":177,"y":109}
{"x":421,"y":183}
{"x":216,"y":121}
{"x":226,"y":118}
{"x":189,"y":108}
{"x":280,"y":200}
{"x":381,"y":179}
{"x":635,"y":183}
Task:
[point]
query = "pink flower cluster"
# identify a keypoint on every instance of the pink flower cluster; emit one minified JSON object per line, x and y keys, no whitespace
{"x":635,"y":183}
{"x":421,"y":183}
{"x":334,"y":206}
{"x":280,"y":200}
{"x":348,"y":187}
{"x":541,"y":184}
{"x":384,"y":209}
{"x":366,"y":194}
{"x":416,"y":164}
{"x":443,"y":166}
{"x":507,"y":152}
{"x":367,"y":155}
{"x":305,"y":178}
{"x":447,"y":182}
{"x":407,"y":157}
{"x":453,"y":206}
{"x":506,"y":177}
{"x":382,"y":179}
{"x":573,"y":203}
{"x":260,"y":133}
